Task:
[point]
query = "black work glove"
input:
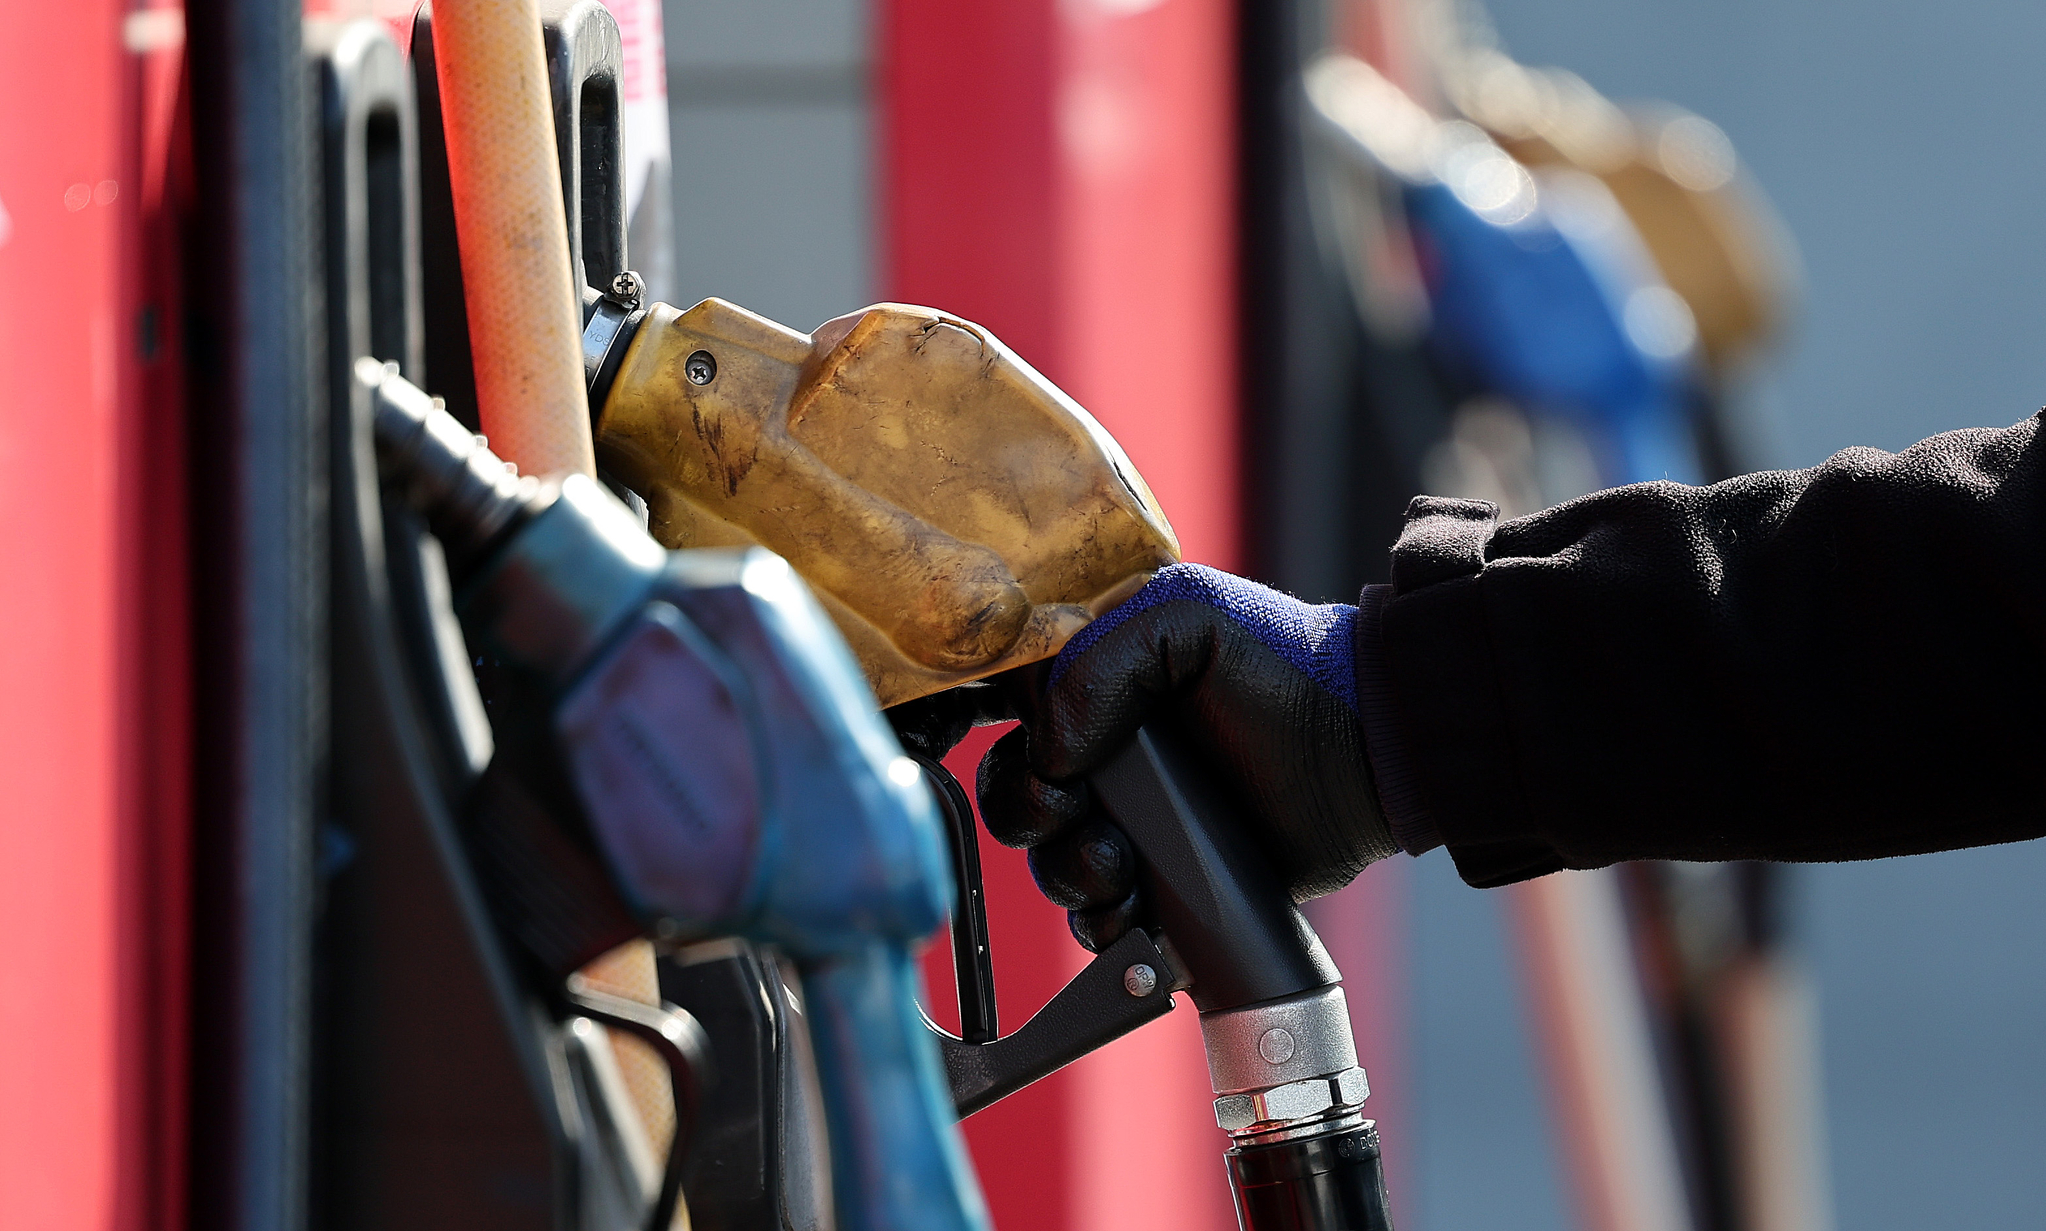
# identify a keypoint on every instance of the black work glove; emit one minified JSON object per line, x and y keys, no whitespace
{"x":930,"y":726}
{"x":1262,"y":686}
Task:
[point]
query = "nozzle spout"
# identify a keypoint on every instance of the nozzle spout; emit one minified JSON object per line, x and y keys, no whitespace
{"x":470,"y":497}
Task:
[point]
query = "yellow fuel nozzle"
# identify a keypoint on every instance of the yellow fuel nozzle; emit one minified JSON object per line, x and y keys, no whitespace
{"x":955,"y":511}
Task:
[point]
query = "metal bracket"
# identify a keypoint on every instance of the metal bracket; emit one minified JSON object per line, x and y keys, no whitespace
{"x":1127,"y":985}
{"x":585,"y":71}
{"x":972,"y":963}
{"x":674,"y":1034}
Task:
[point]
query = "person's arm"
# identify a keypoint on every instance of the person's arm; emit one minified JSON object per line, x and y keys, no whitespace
{"x":1837,"y":663}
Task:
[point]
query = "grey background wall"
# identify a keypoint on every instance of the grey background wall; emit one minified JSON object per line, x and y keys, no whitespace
{"x":1905,"y":145}
{"x":768,"y":116}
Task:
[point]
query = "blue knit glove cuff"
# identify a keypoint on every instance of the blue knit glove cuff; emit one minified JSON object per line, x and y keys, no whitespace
{"x":1319,"y":642}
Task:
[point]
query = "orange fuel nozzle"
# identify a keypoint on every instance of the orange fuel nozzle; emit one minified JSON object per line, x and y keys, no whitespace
{"x":957,"y":513}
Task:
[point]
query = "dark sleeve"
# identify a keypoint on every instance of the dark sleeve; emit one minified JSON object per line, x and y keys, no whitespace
{"x":1838,"y":663}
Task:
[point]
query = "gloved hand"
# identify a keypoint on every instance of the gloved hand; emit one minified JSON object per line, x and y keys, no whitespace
{"x":930,"y":726}
{"x":1264,"y":688}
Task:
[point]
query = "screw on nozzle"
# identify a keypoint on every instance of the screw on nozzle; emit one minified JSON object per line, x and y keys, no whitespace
{"x":628,"y":288}
{"x":469,"y":496}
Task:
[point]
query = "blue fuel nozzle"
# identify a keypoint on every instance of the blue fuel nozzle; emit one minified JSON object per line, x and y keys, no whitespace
{"x":739,"y":780}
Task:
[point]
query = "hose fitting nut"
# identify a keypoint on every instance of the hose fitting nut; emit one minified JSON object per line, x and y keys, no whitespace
{"x":1293,"y":1101}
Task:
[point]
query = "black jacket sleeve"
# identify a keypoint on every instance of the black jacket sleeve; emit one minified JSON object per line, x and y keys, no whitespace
{"x":1838,"y":663}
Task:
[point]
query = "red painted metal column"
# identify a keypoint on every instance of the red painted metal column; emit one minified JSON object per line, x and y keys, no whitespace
{"x":92,"y":667}
{"x":1062,"y":171}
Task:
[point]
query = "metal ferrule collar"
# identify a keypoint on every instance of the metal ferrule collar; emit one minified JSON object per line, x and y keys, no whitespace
{"x":1284,"y":1064}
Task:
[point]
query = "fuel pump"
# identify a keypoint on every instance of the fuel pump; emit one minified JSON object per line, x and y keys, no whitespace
{"x":957,"y":517}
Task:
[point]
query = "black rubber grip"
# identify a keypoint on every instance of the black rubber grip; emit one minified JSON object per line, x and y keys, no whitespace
{"x":1205,"y":883}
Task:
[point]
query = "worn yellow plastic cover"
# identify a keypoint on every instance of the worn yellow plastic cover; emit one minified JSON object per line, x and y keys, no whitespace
{"x":955,"y":511}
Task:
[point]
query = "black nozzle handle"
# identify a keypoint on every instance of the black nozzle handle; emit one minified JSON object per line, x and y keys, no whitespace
{"x":1230,"y":934}
{"x":1232,"y":926}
